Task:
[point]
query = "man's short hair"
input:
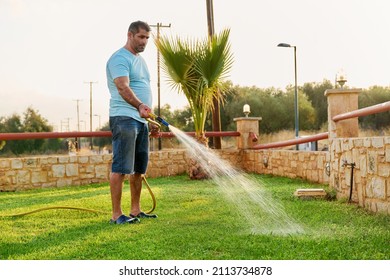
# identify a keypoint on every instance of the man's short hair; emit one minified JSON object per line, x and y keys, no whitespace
{"x":137,"y":25}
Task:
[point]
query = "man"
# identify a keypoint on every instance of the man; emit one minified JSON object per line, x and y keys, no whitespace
{"x":128,"y":81}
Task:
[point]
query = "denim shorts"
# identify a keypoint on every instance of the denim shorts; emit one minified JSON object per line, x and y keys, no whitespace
{"x":130,"y":145}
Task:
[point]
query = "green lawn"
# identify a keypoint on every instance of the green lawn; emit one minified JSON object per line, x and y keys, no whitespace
{"x":195,"y":222}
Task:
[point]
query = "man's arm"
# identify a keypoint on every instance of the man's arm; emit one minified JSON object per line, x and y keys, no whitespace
{"x":122,"y":84}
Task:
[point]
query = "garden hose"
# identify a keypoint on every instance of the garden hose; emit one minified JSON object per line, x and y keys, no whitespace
{"x":154,"y":203}
{"x":53,"y":208}
{"x":157,"y":118}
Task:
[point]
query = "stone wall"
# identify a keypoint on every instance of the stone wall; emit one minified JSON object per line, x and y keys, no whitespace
{"x":371,"y":187}
{"x":52,"y":171}
{"x":58,"y":171}
{"x":369,"y":157}
{"x":371,"y":173}
{"x":308,"y":165}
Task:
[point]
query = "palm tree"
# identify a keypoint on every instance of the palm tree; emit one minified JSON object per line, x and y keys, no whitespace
{"x":197,"y":68}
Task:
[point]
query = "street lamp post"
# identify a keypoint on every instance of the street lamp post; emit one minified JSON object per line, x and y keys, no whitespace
{"x":90,"y":110}
{"x":295,"y":90}
{"x":99,"y":120}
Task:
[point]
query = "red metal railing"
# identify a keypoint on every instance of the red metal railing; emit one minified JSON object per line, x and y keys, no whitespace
{"x":379,"y":108}
{"x":47,"y":135}
{"x":383,"y":107}
{"x":291,"y":142}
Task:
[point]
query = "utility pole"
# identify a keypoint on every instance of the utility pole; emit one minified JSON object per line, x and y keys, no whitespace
{"x":65,"y":125}
{"x":78,"y":124}
{"x":159,"y":25}
{"x":90,"y":110}
{"x":210,"y":17}
{"x":78,"y":114}
{"x":216,"y":112}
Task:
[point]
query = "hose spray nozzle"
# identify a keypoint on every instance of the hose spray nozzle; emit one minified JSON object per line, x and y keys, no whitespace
{"x":159,"y":119}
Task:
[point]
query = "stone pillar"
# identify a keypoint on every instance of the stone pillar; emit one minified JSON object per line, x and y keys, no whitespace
{"x":342,"y":101}
{"x":249,"y":130}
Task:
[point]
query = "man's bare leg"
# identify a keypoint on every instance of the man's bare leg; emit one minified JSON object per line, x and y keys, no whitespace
{"x":116,"y":185}
{"x":135,"y":189}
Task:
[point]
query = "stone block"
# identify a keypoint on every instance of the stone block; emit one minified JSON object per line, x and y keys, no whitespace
{"x":23,"y":177}
{"x":52,"y":160}
{"x":372,"y":162}
{"x":38,"y":177}
{"x":383,"y":207}
{"x":87,"y":176}
{"x":49,"y":184}
{"x":31,"y":162}
{"x":164,"y":156}
{"x":63,"y":159}
{"x":337,"y":146}
{"x":16,"y":164}
{"x":363,"y":166}
{"x":83,"y":159}
{"x":376,"y":188}
{"x":384,"y":170}
{"x":73,"y":159}
{"x":101,"y":171}
{"x":357,"y":142}
{"x":90,"y":169}
{"x":4,"y":179}
{"x":367,"y":142}
{"x":4,"y":164}
{"x":310,"y":193}
{"x":63,"y":182}
{"x":58,"y":170}
{"x":72,"y":170}
{"x":377,"y":142}
{"x":96,"y":159}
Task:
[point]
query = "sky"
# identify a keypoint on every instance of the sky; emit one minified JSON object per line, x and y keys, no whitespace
{"x":51,"y":49}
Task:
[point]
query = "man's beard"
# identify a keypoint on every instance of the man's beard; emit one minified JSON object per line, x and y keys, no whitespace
{"x":140,"y":49}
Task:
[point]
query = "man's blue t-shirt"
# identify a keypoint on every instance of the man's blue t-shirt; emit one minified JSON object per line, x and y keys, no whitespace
{"x":121,"y":64}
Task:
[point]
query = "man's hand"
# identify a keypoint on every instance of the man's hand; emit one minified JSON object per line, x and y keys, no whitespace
{"x":144,"y":110}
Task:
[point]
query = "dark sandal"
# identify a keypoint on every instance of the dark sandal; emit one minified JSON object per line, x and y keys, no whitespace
{"x":123,"y":219}
{"x":144,"y":215}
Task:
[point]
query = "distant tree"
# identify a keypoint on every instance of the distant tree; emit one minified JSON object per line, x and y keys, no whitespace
{"x":316,"y":95}
{"x":53,"y":145}
{"x":34,"y":122}
{"x":8,"y":125}
{"x":103,"y":141}
{"x":185,"y":120}
{"x":274,"y":106}
{"x":373,"y":96}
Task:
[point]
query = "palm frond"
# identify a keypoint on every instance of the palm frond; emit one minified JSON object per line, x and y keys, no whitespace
{"x":197,"y":68}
